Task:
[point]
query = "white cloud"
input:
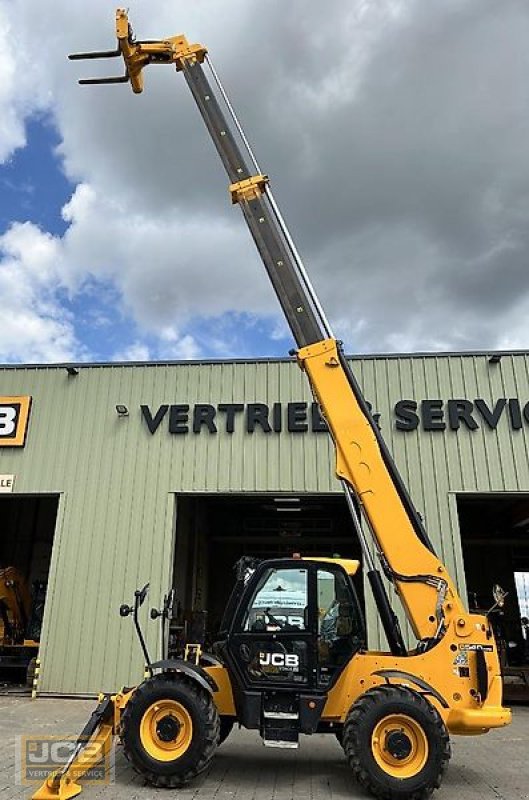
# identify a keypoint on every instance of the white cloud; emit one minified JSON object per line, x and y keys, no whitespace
{"x":34,"y":325}
{"x":180,"y":348}
{"x":515,"y":335}
{"x":186,"y":348}
{"x":168,"y":266}
{"x":18,"y":95}
{"x":136,"y":352}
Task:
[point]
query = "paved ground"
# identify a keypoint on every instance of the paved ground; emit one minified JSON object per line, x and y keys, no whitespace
{"x":492,"y":767}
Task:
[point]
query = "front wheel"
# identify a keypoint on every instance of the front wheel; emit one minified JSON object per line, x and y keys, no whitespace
{"x":169,"y":730}
{"x":396,"y":743}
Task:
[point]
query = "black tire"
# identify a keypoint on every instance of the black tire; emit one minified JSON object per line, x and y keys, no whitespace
{"x":371,"y":760}
{"x":203,"y":733}
{"x":226,"y":725}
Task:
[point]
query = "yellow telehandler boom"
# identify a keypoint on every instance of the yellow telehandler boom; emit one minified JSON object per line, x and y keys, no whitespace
{"x":283,"y":671}
{"x":364,"y":465}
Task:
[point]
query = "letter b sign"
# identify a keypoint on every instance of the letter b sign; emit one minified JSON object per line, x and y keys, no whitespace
{"x":14,"y":416}
{"x":8,"y":420}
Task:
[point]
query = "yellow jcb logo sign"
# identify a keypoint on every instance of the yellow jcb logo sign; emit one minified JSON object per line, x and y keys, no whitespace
{"x":14,"y":415}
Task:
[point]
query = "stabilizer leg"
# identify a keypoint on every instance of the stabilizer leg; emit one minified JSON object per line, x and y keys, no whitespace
{"x":91,"y":747}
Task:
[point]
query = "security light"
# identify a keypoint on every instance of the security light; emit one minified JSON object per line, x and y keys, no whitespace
{"x":122,"y":410}
{"x":495,"y":358}
{"x":72,"y":371}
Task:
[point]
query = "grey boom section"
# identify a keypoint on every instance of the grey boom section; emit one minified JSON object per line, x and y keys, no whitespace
{"x":275,"y":253}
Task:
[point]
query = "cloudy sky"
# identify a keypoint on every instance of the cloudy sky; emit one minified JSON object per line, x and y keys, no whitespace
{"x":396,"y":136}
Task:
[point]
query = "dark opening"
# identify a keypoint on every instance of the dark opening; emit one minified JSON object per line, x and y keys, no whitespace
{"x":213,"y":532}
{"x":495,"y":540}
{"x":28,"y":527}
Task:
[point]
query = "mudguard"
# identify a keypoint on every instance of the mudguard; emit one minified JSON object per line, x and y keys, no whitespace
{"x":193,"y":671}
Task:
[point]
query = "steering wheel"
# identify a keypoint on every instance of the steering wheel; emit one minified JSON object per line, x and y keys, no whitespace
{"x":274,"y":620}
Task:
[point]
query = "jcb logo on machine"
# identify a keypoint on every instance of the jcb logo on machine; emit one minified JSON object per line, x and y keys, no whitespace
{"x":286,"y":660}
{"x":14,"y":416}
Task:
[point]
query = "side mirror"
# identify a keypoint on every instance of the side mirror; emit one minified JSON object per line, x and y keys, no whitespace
{"x":169,"y":603}
{"x":141,"y":594}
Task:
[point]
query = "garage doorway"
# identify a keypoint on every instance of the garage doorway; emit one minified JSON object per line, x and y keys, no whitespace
{"x":28,"y":525}
{"x":495,"y":540}
{"x":213,"y":532}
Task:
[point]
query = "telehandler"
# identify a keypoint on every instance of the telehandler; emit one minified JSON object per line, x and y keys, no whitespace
{"x":291,"y":654}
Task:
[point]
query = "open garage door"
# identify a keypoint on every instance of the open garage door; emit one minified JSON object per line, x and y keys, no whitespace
{"x":27,"y":524}
{"x":495,"y":539}
{"x":214,"y":532}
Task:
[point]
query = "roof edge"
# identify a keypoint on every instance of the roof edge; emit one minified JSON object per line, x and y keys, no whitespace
{"x":273,"y":360}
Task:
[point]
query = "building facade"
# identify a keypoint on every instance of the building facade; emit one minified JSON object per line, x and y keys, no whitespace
{"x":112,"y":476}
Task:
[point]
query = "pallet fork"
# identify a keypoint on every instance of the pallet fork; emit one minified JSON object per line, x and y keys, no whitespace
{"x":138,"y":54}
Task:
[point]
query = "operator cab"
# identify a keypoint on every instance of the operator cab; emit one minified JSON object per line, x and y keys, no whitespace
{"x":290,"y":627}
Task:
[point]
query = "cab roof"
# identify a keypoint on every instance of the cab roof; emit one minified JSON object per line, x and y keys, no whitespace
{"x":350,"y":565}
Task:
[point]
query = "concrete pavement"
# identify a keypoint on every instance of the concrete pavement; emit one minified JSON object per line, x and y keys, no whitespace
{"x":491,"y":767}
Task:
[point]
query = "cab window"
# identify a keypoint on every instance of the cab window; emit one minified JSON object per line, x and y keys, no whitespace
{"x":280,"y":602}
{"x":340,"y":626}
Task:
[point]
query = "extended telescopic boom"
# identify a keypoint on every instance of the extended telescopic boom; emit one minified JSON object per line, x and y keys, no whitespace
{"x":364,"y":465}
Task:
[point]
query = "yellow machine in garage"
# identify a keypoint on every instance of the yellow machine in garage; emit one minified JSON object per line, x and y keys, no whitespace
{"x":17,"y":649}
{"x":291,"y":654}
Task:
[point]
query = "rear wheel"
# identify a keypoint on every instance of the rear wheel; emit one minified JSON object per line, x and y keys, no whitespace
{"x":396,"y":743}
{"x":169,"y":730}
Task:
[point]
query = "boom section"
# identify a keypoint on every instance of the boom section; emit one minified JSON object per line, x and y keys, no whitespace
{"x":249,"y":191}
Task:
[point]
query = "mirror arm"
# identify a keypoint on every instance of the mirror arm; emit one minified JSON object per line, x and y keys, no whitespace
{"x":139,"y":597}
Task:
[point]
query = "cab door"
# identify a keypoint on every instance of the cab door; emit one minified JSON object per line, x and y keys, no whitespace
{"x":340,"y":624}
{"x":274,"y":635}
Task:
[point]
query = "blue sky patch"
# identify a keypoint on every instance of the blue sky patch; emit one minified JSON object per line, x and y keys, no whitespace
{"x":33,"y":186}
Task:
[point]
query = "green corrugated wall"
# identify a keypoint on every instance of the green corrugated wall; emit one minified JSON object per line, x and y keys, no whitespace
{"x":117,"y":482}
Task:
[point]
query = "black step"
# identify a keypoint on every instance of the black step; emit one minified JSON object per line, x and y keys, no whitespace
{"x":280,"y":720}
{"x":280,"y":737}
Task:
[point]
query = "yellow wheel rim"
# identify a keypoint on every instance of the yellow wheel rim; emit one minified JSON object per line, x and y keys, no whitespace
{"x":166,"y":730}
{"x":399,"y":746}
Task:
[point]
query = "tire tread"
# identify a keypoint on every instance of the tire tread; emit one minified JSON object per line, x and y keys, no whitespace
{"x":356,"y":720}
{"x":211,"y":723}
